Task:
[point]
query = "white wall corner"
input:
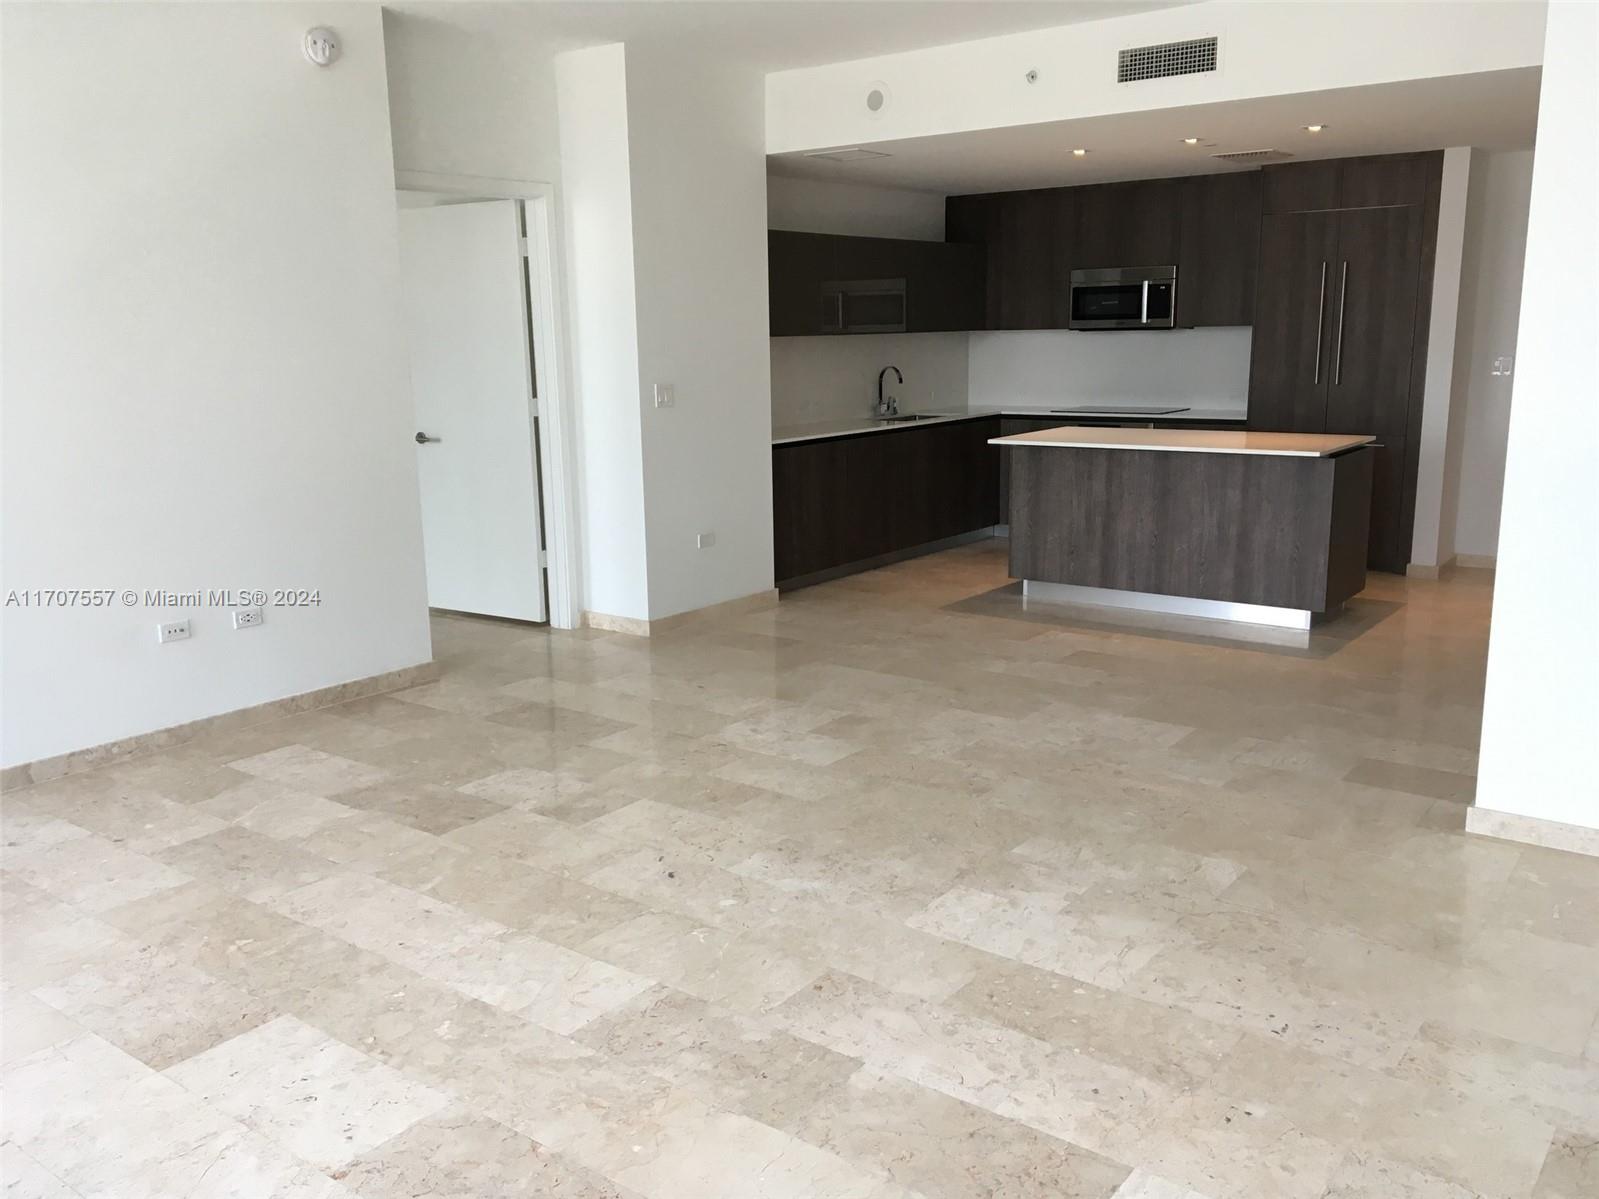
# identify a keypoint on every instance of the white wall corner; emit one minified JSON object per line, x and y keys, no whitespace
{"x":1432,"y":541}
{"x":597,"y":212}
{"x":1541,"y":705}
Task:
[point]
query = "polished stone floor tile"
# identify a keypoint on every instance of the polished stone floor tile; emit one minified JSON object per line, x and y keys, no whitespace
{"x":153,"y":1006}
{"x":943,"y":1148}
{"x":321,"y":1099}
{"x":900,"y":889}
{"x":455,"y":1154}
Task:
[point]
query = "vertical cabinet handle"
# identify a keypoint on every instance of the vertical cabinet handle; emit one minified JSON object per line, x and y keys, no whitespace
{"x":1343,"y":294}
{"x":1321,"y":311}
{"x":1143,"y":312}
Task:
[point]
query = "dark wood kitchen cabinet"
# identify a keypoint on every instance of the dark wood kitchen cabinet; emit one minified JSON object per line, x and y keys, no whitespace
{"x":1288,"y":369}
{"x":1342,"y":306}
{"x":1217,"y":247}
{"x":1379,"y":275}
{"x":797,"y":264}
{"x":944,"y":287}
{"x":1126,"y":224}
{"x":1025,"y":236}
{"x":1208,"y":226}
{"x":1372,"y":181}
{"x":943,"y":281}
{"x":852,"y":502}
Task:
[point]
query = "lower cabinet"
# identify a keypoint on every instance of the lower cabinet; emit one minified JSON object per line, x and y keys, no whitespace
{"x":863,"y":498}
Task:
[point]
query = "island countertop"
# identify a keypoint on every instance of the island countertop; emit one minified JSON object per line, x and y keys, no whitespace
{"x":1192,"y":441}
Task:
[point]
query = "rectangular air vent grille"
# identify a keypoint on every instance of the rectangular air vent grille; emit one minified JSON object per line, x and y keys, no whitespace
{"x":1250,"y":157}
{"x":1169,"y":58}
{"x":847,"y":154}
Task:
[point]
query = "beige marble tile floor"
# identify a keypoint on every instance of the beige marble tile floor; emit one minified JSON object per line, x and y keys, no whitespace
{"x":899,"y":889}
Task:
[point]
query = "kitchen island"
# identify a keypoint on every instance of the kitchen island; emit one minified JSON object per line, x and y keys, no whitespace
{"x":1268,"y":528}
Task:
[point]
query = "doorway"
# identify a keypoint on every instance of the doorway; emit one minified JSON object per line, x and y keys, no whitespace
{"x":479,"y":278}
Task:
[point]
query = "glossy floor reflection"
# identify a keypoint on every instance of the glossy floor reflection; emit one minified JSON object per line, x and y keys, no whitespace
{"x":895,"y":890}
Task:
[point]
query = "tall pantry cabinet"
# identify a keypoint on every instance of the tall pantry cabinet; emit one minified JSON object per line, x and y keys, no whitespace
{"x":1343,"y":301}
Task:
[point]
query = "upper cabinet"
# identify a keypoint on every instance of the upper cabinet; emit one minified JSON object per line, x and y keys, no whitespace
{"x":1023,"y":235}
{"x":1376,"y":181}
{"x":1207,"y":226}
{"x":1217,"y":248}
{"x":1126,"y":224}
{"x":921,"y":286}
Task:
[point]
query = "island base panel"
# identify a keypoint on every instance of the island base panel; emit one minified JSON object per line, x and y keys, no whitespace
{"x":1170,"y":605}
{"x":1273,"y":532}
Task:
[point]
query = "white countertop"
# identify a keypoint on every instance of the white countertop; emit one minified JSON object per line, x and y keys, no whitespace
{"x":1191,"y":441}
{"x":783,"y":434}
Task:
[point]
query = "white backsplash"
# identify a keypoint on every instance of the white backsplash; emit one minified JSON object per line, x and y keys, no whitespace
{"x":1196,"y":368}
{"x":835,"y":378}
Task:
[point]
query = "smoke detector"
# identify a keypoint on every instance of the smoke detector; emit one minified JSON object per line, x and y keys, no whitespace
{"x":321,"y":46}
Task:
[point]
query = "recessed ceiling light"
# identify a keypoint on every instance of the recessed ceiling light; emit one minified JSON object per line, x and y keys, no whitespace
{"x":1314,"y":128}
{"x":1079,"y":153}
{"x":1190,"y":141}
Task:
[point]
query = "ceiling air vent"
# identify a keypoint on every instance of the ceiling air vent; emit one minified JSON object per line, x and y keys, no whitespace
{"x":1166,"y":59}
{"x":1251,"y":157}
{"x":847,"y":154}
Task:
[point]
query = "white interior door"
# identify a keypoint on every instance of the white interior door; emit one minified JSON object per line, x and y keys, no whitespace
{"x":461,"y":273}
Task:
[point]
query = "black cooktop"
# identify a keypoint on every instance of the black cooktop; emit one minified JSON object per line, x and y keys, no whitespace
{"x":1117,"y":411}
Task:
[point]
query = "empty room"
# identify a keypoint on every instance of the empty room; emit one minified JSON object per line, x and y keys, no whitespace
{"x":799,"y":599}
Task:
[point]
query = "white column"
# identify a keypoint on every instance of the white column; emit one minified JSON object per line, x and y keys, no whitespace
{"x":1540,"y":737}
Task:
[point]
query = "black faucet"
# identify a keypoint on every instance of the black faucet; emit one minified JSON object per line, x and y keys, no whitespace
{"x":890,"y":407}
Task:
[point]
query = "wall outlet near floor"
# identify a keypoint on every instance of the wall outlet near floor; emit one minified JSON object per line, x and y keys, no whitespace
{"x":705,"y":540}
{"x":172,"y":630}
{"x":248,"y":618}
{"x":665,"y":395}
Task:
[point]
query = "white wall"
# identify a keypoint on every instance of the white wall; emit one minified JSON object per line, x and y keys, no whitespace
{"x":204,"y":378}
{"x":471,"y":103}
{"x":835,"y":378}
{"x":1542,"y":703}
{"x":1266,"y":50}
{"x":1490,"y":304}
{"x":598,"y":211}
{"x":1199,"y":368}
{"x":820,"y":206}
{"x":1433,"y":534}
{"x":698,"y":165}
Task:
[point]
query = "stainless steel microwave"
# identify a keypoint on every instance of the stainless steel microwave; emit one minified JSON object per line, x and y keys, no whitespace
{"x":1124,"y":298}
{"x":863,"y":306}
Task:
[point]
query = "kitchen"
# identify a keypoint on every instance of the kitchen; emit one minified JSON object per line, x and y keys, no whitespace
{"x":1274,"y":301}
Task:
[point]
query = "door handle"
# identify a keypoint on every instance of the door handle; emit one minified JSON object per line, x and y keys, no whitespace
{"x":424,"y":439}
{"x":1143,"y":313}
{"x":1343,"y":294}
{"x":1321,"y":311}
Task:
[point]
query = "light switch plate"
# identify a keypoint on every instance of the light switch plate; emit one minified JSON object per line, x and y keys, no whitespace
{"x":665,"y":395}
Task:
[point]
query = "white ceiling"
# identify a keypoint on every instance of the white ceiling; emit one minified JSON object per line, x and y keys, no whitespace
{"x":771,"y":35}
{"x":1494,"y":110}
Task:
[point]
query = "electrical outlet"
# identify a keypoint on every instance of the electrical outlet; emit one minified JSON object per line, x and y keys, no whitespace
{"x":248,"y":618}
{"x":172,"y":630}
{"x":705,"y":540}
{"x":665,"y":395}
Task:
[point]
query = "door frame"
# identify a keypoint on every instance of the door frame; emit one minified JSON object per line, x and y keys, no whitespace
{"x":544,"y":278}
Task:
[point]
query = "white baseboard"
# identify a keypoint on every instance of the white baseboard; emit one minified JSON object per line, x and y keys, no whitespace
{"x":1530,"y":830}
{"x":1476,"y":561}
{"x":25,"y":773}
{"x":635,"y":627}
